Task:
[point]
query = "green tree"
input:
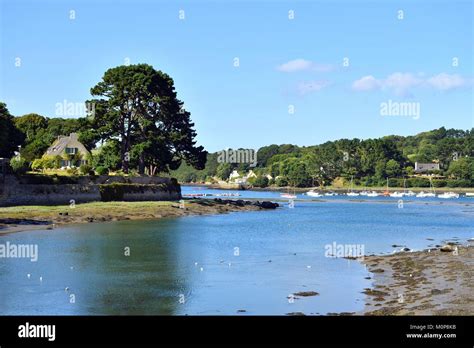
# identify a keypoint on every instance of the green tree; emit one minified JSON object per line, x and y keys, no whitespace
{"x":139,"y":108}
{"x":224,"y":170}
{"x":392,"y":168}
{"x":10,"y":136}
{"x":463,"y":168}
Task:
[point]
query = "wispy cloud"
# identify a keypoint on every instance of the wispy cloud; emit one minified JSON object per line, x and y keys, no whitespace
{"x":402,"y":83}
{"x":304,"y":65}
{"x":446,"y":82}
{"x":306,"y":87}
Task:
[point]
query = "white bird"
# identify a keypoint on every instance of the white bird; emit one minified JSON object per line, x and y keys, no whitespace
{"x":230,"y":264}
{"x":202,"y":269}
{"x":308,"y":267}
{"x":28,"y":275}
{"x":195,"y":263}
{"x":72,"y":267}
{"x":66,"y":289}
{"x":41,"y":279}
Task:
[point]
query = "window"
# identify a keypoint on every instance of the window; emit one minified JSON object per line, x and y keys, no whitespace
{"x":71,"y":150}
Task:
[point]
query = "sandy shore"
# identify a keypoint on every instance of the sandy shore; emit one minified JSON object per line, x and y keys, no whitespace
{"x":422,"y":283}
{"x":27,"y":218}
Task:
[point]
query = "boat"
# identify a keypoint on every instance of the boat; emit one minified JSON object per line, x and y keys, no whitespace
{"x":330,"y":194}
{"x":313,"y":194}
{"x":427,"y":194}
{"x":469,"y":194}
{"x":351,"y":193}
{"x":410,"y":193}
{"x":386,"y":193}
{"x":288,"y":195}
{"x":227,"y":195}
{"x":364,"y":193}
{"x":397,"y":194}
{"x":372,"y":194}
{"x":448,"y":195}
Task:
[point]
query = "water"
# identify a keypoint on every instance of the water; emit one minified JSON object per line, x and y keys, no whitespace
{"x":250,"y":261}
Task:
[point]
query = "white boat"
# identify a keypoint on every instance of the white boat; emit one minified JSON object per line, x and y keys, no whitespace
{"x":330,"y":194}
{"x":352,"y":193}
{"x":448,"y":195}
{"x":372,"y":194}
{"x":410,"y":193}
{"x":312,"y":193}
{"x":427,"y":194}
{"x":288,"y":195}
{"x":397,"y":194}
{"x":364,"y":193}
{"x":469,"y":194}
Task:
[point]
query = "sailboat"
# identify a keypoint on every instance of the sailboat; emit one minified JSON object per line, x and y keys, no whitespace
{"x":386,"y":192}
{"x":351,"y":193}
{"x":405,"y":192}
{"x":448,"y":195}
{"x":427,"y":194}
{"x":289,"y":195}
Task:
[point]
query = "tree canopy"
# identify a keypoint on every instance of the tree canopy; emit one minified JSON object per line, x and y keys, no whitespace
{"x":138,"y":107}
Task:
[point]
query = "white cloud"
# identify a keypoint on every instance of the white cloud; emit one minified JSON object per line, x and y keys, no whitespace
{"x":303,"y":65}
{"x":366,"y":83}
{"x":445,"y":81}
{"x":402,"y":83}
{"x":305,"y":87}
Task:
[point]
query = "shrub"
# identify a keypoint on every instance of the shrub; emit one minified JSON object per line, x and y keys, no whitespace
{"x":459,"y":183}
{"x":102,"y":170}
{"x":72,"y":171}
{"x":19,"y":165}
{"x":38,"y":164}
{"x":281,"y":181}
{"x":261,"y":181}
{"x":439,"y":183}
{"x":85,"y":169}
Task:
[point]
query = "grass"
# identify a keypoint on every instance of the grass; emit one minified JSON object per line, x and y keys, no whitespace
{"x":85,"y":209}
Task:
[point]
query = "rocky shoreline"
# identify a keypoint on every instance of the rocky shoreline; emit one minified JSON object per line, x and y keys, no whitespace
{"x":431,"y":282}
{"x":25,"y":218}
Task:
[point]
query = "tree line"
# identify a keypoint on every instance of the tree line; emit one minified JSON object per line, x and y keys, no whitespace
{"x":370,"y":162}
{"x":138,"y":124}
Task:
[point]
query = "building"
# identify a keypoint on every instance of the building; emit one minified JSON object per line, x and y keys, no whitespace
{"x":425,"y":167}
{"x":234,"y":175}
{"x":72,"y":151}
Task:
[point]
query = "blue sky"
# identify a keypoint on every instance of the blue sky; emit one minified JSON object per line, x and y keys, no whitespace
{"x":284,"y":63}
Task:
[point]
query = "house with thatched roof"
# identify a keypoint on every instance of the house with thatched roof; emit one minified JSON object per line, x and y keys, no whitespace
{"x":70,"y":149}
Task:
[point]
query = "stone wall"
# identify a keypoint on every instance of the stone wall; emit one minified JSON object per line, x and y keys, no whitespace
{"x":29,"y":190}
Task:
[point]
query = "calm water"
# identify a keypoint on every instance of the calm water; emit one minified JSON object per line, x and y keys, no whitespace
{"x":279,"y":252}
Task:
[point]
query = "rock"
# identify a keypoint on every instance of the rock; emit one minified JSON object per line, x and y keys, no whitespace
{"x":378,"y":270}
{"x":447,"y":248}
{"x":406,"y":249}
{"x":306,"y":293}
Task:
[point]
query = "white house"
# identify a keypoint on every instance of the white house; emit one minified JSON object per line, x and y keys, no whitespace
{"x":234,"y":175}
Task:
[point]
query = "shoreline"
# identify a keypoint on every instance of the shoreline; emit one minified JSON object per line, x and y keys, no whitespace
{"x":428,"y":282}
{"x":330,"y":188}
{"x":30,"y":218}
